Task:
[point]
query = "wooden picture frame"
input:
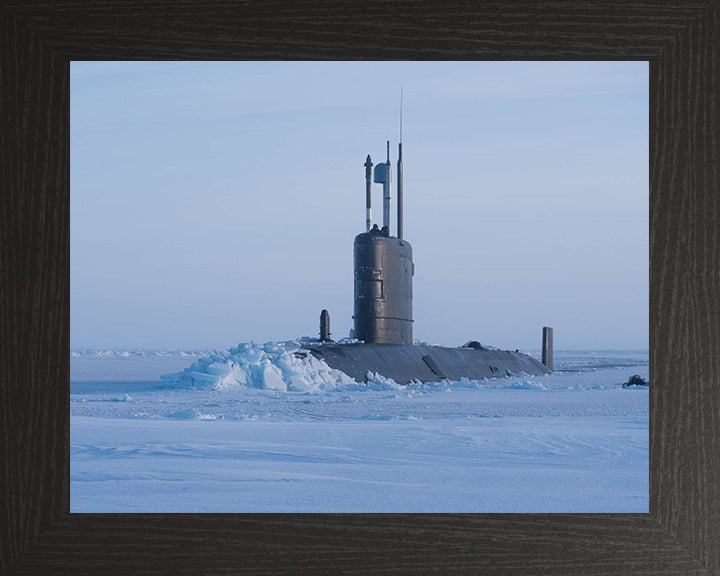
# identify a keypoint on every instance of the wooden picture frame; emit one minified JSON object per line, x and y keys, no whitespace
{"x":680,"y":535}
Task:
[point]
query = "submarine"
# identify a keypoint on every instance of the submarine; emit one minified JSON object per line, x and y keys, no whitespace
{"x":383,"y":311}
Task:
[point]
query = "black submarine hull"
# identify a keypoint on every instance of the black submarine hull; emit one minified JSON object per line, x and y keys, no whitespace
{"x":424,"y":363}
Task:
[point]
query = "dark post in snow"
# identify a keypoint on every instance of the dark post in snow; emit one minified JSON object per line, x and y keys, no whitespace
{"x":547,"y":347}
{"x":324,"y":326}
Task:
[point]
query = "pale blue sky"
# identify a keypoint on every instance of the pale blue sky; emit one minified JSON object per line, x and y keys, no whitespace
{"x":216,"y":203}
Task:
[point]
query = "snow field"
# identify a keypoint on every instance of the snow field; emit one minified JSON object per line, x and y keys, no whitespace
{"x":257,"y":429}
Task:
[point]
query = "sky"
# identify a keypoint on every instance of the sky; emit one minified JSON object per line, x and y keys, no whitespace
{"x":214,"y":203}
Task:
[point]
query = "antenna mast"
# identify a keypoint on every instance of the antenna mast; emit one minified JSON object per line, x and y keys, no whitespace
{"x":400,"y":175}
{"x":368,"y":193}
{"x":387,"y":191}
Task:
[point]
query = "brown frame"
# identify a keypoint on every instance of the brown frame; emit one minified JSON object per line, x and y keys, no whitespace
{"x":680,"y":535}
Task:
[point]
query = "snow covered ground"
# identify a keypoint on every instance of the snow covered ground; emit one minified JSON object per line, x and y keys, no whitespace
{"x":256,"y":429}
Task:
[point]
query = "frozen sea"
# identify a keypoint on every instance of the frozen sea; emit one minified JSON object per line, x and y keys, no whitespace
{"x":214,"y":439}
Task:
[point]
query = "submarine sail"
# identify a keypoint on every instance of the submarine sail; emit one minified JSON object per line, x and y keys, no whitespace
{"x":383,"y":274}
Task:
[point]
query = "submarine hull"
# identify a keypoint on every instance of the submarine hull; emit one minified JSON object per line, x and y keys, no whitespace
{"x":424,"y":363}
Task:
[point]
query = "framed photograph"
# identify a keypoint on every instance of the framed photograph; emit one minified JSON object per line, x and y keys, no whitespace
{"x":265,"y":317}
{"x":360,"y":441}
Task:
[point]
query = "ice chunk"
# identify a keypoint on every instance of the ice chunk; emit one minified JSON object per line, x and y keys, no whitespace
{"x":278,"y":366}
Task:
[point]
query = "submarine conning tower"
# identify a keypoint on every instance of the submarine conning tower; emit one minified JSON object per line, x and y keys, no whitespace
{"x":383,"y":267}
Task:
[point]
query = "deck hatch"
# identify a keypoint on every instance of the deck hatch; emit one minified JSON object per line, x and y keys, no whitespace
{"x":433,"y":366}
